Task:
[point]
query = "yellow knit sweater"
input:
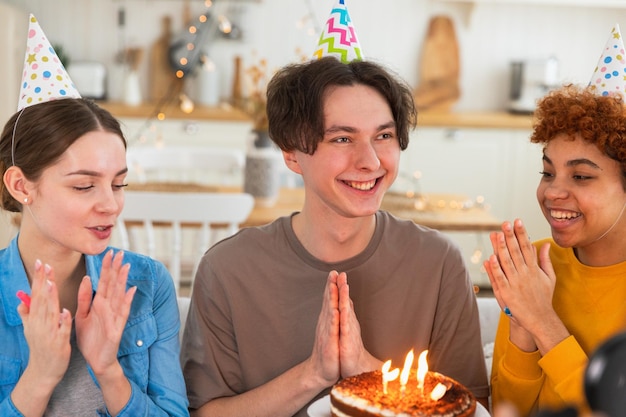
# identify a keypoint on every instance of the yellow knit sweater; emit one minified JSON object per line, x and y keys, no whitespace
{"x":591,"y":302}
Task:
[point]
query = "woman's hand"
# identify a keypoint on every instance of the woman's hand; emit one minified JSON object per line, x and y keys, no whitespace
{"x":46,"y":328}
{"x":47,"y":332}
{"x":525,"y":286}
{"x":100,"y":324}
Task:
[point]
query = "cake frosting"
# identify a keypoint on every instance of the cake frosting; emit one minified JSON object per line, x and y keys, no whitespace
{"x":363,"y":396}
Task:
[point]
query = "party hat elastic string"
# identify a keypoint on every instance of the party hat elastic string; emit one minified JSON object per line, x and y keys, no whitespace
{"x":13,"y":137}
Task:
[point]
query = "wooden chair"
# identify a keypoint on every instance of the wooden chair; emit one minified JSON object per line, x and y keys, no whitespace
{"x":198,"y":164}
{"x":153,"y":223}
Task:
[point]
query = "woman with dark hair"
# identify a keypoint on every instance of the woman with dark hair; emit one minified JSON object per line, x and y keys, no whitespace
{"x":85,"y":329}
{"x":562,"y":297}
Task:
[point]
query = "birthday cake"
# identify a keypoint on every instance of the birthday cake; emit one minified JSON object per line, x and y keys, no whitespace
{"x":364,"y":396}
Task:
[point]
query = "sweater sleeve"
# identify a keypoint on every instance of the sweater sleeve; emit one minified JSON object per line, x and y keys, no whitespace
{"x":564,"y":366}
{"x":516,"y":376}
{"x":532,"y":382}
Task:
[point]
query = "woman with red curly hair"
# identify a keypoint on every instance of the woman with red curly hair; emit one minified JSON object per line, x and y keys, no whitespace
{"x":563,"y":296}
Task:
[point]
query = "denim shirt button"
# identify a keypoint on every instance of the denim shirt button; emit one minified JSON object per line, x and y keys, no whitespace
{"x":140,"y":343}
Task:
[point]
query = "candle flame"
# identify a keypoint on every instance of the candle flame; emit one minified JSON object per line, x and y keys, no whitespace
{"x":404,"y":375}
{"x":438,"y":392}
{"x":388,"y":376}
{"x":422,"y":369}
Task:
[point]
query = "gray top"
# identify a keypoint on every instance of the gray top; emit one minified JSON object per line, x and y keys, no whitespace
{"x":77,"y":394}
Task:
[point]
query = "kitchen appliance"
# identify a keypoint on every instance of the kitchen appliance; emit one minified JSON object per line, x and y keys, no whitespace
{"x":530,"y":81}
{"x":89,"y":79}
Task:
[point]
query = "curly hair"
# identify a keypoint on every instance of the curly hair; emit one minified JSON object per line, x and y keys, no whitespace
{"x":580,"y":112}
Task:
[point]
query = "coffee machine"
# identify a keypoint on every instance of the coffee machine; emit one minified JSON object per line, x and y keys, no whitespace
{"x":530,"y":81}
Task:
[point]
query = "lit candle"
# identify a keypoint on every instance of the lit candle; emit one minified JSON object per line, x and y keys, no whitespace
{"x":404,"y":375}
{"x":388,"y":376}
{"x":422,"y":369}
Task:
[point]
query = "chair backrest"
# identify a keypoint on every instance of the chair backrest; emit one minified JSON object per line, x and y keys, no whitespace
{"x":201,"y":164}
{"x":183,"y":310}
{"x":157,"y":220}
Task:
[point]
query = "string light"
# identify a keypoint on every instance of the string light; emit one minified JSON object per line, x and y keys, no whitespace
{"x":200,"y":34}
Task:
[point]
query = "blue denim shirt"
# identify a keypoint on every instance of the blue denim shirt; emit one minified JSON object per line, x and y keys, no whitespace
{"x":149,"y":349}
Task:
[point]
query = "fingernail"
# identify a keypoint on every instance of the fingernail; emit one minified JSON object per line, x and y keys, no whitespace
{"x":37,"y":265}
{"x":47,"y":268}
{"x":25,"y":298}
{"x":64,"y":314}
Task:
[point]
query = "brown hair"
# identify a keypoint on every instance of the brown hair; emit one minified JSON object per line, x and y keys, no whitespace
{"x":43,"y":133}
{"x":580,"y":111}
{"x":295,"y":99}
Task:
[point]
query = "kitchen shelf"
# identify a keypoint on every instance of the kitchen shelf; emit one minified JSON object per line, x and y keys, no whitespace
{"x":425,"y":118}
{"x":173,"y":112}
{"x":478,"y":120}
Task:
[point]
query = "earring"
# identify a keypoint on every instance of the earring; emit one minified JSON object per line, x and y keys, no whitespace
{"x":26,"y":200}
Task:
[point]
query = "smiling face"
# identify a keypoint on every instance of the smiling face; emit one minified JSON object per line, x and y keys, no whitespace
{"x":77,"y":200}
{"x":357,"y":159}
{"x":581,"y":194}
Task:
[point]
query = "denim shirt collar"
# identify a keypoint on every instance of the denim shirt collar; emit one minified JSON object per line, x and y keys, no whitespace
{"x":14,"y":278}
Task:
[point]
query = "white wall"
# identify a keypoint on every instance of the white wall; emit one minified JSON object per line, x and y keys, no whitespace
{"x":490,"y":34}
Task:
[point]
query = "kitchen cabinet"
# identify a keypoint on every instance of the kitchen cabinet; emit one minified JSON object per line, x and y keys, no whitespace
{"x":145,"y":124}
{"x":231,"y":134}
{"x":499,"y":167}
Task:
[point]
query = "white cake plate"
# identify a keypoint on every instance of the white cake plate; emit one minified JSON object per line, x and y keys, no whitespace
{"x":321,"y":408}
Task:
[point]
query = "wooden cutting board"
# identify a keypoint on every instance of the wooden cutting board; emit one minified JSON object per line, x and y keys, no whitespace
{"x":438,"y":86}
{"x":161,"y":75}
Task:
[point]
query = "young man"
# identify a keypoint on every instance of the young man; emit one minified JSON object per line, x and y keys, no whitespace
{"x":281,"y":312}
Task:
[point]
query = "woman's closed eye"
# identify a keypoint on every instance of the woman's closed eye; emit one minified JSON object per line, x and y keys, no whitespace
{"x":90,"y":186}
{"x":83,"y":188}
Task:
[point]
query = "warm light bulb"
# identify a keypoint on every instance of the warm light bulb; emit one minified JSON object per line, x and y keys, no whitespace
{"x":224,"y":24}
{"x":186,"y":105}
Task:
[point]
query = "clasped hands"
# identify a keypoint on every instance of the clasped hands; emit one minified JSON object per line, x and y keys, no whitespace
{"x":99,"y":322}
{"x":338,"y":350}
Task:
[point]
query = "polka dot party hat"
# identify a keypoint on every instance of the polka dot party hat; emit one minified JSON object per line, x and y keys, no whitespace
{"x":338,"y":38}
{"x":44,"y":77}
{"x":609,"y":77}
